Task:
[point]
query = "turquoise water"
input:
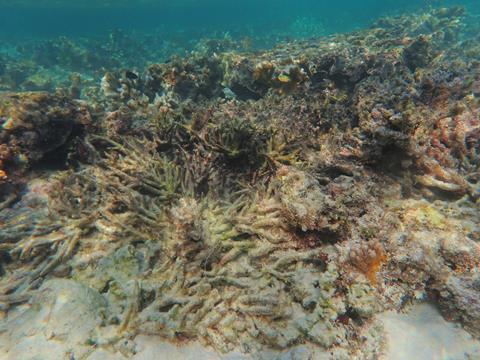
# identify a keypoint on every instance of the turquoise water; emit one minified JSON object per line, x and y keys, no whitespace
{"x":88,"y":35}
{"x":54,"y":18}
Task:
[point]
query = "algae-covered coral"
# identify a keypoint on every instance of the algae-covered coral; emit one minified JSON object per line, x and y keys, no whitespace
{"x":256,"y":200}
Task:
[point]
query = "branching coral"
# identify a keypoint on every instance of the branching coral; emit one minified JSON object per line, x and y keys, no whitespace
{"x":40,"y":240}
{"x":453,"y":150}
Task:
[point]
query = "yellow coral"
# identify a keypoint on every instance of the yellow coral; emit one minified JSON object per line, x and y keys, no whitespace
{"x":9,"y":124}
{"x":426,"y":215}
{"x":284,"y":78}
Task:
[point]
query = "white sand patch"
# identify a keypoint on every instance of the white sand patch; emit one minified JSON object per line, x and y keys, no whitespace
{"x":423,"y":334}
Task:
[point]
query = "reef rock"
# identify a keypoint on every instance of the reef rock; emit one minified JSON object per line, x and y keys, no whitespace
{"x":32,"y":126}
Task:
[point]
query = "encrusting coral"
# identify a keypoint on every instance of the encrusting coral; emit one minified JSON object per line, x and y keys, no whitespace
{"x":258,"y":200}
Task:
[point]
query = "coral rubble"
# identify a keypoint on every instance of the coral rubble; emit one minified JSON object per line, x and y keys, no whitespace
{"x":256,"y":200}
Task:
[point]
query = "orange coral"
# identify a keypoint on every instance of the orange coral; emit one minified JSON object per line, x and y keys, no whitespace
{"x":369,"y":258}
{"x":3,"y":173}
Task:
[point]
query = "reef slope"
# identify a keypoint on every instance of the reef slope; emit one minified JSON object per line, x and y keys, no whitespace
{"x":254,"y":201}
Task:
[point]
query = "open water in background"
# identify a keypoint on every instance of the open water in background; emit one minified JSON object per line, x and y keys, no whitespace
{"x":28,"y":19}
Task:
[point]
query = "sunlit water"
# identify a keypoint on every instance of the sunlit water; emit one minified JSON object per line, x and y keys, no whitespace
{"x":55,"y":17}
{"x":165,"y":28}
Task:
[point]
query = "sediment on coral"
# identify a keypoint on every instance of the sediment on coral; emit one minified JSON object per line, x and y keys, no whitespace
{"x":257,"y":200}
